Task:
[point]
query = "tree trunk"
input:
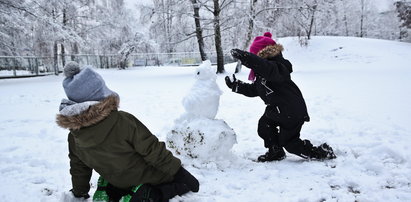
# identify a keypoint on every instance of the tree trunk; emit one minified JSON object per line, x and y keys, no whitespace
{"x":250,"y":24}
{"x":217,"y":37}
{"x":63,"y":55}
{"x":55,"y":58}
{"x":249,"y":32}
{"x":63,"y":52}
{"x":199,"y":29}
{"x":55,"y":49}
{"x":345,"y":24}
{"x":310,"y":28}
{"x":168,"y":21}
{"x":362,"y":18}
{"x":75,"y":51}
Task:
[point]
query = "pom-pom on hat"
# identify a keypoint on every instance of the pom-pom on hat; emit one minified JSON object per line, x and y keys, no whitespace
{"x":83,"y":85}
{"x":261,"y":42}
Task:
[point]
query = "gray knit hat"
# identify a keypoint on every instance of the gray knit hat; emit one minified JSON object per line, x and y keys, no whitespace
{"x":83,"y":85}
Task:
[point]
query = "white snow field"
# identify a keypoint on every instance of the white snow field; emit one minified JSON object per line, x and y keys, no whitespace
{"x":358,"y":93}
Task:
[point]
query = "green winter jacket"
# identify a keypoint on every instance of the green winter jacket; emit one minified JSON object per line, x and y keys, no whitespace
{"x":117,"y":146}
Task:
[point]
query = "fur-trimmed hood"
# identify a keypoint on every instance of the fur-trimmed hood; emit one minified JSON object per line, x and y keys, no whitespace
{"x":274,"y":52}
{"x":93,"y":115}
{"x":270,"y":51}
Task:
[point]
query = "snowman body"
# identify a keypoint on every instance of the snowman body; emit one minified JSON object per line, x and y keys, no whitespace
{"x":204,"y":96}
{"x":197,"y":134}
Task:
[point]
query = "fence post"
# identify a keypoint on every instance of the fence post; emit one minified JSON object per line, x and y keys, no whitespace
{"x":32,"y":70}
{"x":36,"y":66}
{"x":32,"y":65}
{"x":14,"y":67}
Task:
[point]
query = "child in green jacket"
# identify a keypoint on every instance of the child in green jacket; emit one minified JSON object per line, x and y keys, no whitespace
{"x":115,"y":144}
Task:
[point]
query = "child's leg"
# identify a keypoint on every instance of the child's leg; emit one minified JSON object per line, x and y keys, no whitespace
{"x":268,"y":132}
{"x":146,"y":192}
{"x":183,"y":183}
{"x":170,"y":190}
{"x":267,"y":129}
{"x":290,"y":139}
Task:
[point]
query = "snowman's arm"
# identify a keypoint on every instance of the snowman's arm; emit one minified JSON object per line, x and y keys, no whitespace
{"x":246,"y":89}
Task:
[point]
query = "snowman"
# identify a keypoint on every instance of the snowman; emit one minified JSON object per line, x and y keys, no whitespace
{"x":204,"y":97}
{"x":197,"y":134}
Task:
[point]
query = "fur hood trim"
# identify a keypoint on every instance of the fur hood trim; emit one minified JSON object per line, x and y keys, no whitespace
{"x":93,"y":115}
{"x":270,"y":51}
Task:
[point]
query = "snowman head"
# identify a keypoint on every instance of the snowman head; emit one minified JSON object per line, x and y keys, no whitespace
{"x":205,"y":71}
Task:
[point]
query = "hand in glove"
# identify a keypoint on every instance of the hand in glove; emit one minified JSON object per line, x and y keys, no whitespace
{"x":77,"y":195}
{"x":237,"y":53}
{"x":185,"y":177}
{"x":69,"y":196}
{"x":230,"y":83}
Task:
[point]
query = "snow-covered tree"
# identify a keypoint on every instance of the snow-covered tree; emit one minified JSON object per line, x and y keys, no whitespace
{"x":404,"y":13}
{"x":15,"y":26}
{"x":63,"y":28}
{"x":139,"y":41}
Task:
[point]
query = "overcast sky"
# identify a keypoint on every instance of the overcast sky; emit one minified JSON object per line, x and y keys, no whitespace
{"x":382,"y":5}
{"x":132,"y":3}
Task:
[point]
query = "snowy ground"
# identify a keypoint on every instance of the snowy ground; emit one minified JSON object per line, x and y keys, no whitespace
{"x":357,"y":91}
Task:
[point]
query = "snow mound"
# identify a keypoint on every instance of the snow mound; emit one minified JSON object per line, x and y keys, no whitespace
{"x":201,"y":138}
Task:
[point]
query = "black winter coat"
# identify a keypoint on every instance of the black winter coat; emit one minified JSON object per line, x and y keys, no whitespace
{"x":273,"y":85}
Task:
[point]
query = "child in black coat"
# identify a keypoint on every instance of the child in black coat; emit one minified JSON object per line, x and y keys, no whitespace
{"x":286,"y":110}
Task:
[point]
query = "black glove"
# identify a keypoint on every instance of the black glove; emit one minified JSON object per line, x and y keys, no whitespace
{"x":183,"y":176}
{"x":237,"y":53}
{"x":78,"y":195}
{"x":230,"y":83}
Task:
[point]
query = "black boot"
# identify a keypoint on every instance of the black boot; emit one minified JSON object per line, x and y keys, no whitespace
{"x":322,"y":152}
{"x":275,"y":153}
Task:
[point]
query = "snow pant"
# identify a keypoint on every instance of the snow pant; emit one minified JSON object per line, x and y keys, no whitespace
{"x":284,"y":133}
{"x":182,"y":183}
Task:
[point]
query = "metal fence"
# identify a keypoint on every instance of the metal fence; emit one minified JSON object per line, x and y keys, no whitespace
{"x":173,"y":59}
{"x":25,"y":66}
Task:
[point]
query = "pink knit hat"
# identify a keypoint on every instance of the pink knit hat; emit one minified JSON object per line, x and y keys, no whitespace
{"x":259,"y":43}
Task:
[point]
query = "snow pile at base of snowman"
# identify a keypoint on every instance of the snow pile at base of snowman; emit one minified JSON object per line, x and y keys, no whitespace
{"x":197,"y":134}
